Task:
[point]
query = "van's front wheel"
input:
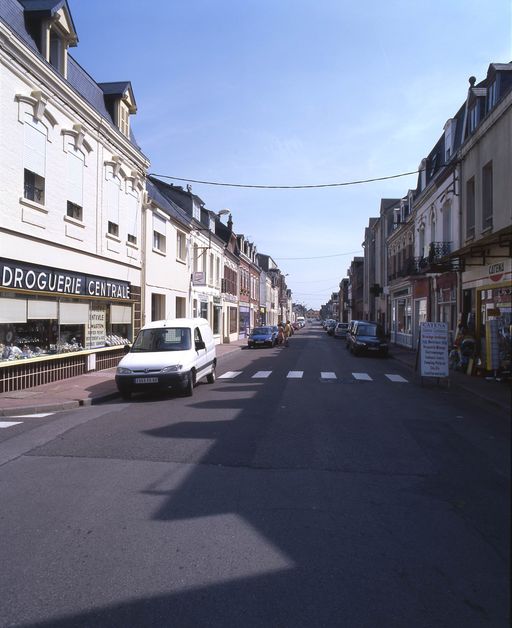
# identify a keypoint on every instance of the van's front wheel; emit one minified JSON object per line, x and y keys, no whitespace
{"x":210,"y":378}
{"x":188,"y":389}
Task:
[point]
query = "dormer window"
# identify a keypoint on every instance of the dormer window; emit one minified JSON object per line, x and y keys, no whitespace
{"x":492,"y":95}
{"x":120,"y":104}
{"x":53,"y":30}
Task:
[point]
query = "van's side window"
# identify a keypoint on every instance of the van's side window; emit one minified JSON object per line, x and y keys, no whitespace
{"x":197,"y":335}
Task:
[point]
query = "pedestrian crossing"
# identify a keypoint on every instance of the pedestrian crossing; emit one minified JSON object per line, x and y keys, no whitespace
{"x":324,"y":376}
{"x":6,"y":424}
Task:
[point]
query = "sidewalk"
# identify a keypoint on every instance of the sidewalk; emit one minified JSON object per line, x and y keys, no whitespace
{"x":490,"y":391}
{"x":83,"y":390}
{"x":98,"y":386}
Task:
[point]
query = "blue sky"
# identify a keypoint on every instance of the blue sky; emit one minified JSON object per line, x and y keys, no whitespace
{"x":293,"y":92}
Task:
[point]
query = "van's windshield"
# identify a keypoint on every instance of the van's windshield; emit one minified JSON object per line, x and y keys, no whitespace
{"x":162,"y":339}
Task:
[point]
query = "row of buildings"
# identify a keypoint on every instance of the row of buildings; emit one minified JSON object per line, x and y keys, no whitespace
{"x":91,"y":246}
{"x":443,"y":251}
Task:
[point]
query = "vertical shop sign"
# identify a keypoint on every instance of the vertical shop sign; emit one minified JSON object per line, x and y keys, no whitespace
{"x":434,"y":349}
{"x":492,"y":345}
{"x":97,"y":332}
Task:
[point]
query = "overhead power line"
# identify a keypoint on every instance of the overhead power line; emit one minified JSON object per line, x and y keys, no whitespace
{"x":284,"y":187}
{"x":319,"y":256}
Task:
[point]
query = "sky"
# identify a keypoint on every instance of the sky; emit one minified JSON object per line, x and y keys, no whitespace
{"x":293,"y":92}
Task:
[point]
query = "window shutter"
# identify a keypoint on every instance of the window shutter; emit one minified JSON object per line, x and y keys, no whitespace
{"x":35,"y":148}
{"x":120,"y":314}
{"x":13,"y":311}
{"x":112,"y":189}
{"x":131,"y":205}
{"x":158,"y":224}
{"x":42,"y":310}
{"x":75,"y":176}
{"x":74,"y":313}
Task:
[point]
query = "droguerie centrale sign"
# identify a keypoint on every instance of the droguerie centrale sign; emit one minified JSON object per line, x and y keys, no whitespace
{"x":19,"y":276}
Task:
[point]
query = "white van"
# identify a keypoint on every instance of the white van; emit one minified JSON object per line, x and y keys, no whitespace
{"x":174,"y":353}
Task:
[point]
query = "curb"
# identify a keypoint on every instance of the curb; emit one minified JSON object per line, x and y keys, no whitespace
{"x":461,"y":386}
{"x":52,"y":407}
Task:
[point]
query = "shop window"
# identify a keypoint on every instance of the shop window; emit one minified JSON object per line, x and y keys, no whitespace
{"x":216,"y":319}
{"x":74,"y":211}
{"x":157,"y":307}
{"x":181,"y":307}
{"x":233,"y":320}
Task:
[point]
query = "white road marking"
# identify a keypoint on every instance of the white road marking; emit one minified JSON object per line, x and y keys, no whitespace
{"x":4,"y":424}
{"x":261,"y":374}
{"x":38,"y":415}
{"x":396,"y":378}
{"x":362,"y":377}
{"x":230,"y":375}
{"x":295,"y":374}
{"x":328,"y":375}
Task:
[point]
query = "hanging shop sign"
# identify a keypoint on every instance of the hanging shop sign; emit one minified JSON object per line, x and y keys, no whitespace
{"x":19,"y":276}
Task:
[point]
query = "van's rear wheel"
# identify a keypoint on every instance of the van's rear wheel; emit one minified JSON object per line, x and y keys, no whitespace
{"x":188,"y":389}
{"x":210,"y":378}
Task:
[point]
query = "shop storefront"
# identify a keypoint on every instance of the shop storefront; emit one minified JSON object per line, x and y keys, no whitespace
{"x":47,"y":313}
{"x":401,"y":317}
{"x":487,"y":291}
{"x":244,"y":321}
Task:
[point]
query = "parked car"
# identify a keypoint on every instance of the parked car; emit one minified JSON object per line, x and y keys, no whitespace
{"x":340,"y":331}
{"x":368,"y":337}
{"x":261,"y":337}
{"x":350,"y":329}
{"x":174,"y":353}
{"x":330,"y":327}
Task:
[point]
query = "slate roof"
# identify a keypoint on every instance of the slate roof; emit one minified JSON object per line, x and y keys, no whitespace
{"x":156,"y":192}
{"x":12,"y":14}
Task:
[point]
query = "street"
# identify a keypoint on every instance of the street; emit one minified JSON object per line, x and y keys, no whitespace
{"x":306,"y":487}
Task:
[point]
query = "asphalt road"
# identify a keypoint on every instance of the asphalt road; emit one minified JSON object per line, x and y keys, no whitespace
{"x":324,"y":492}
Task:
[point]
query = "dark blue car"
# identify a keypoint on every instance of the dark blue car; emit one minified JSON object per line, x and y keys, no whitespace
{"x":262,"y":337}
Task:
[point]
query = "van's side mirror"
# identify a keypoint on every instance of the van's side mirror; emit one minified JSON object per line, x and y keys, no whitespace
{"x":126,"y":349}
{"x":200,"y":345}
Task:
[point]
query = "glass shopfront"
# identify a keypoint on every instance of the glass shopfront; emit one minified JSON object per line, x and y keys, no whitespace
{"x":34,"y":322}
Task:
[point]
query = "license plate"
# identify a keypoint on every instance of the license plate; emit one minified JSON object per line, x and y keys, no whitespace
{"x":373,"y":348}
{"x":146,"y":380}
{"x":259,"y":342}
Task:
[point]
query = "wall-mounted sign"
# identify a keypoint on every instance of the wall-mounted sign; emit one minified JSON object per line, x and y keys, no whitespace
{"x":19,"y":276}
{"x":496,"y":271}
{"x":199,"y":278}
{"x":97,"y":329}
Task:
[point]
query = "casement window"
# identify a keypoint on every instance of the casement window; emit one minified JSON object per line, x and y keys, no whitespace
{"x":112,"y":192}
{"x":159,"y":241}
{"x":34,"y":160}
{"x":181,"y":246}
{"x":492,"y":95}
{"x":447,"y":223}
{"x":210,"y":270}
{"x":470,"y":208}
{"x":131,"y":206}
{"x":487,"y":199}
{"x":124,"y":119}
{"x":473,"y":117}
{"x":75,"y":176}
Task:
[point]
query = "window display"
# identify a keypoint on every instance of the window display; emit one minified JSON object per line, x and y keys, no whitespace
{"x":31,"y":328}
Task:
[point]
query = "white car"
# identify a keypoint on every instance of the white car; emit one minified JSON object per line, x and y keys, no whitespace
{"x":173,"y":353}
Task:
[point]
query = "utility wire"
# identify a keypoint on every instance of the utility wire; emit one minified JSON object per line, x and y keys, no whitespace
{"x":284,"y":187}
{"x":319,"y":256}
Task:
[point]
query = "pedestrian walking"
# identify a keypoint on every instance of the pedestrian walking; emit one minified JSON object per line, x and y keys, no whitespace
{"x":280,"y":334}
{"x":287,"y":333}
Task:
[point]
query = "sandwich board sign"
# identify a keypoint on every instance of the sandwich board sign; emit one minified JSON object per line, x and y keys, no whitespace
{"x":434,"y":349}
